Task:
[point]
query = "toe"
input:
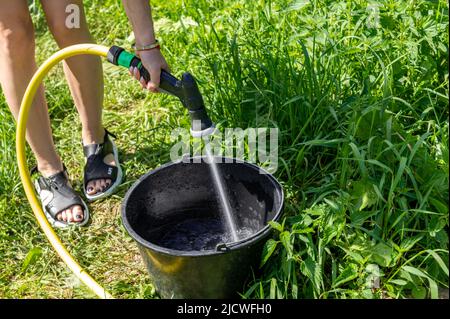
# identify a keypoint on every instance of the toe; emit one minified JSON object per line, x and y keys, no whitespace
{"x":77,"y":213}
{"x":107,"y":182}
{"x":69,"y":215}
{"x":59,"y":217}
{"x":98,"y":186}
{"x":90,"y":188}
{"x":102,"y":185}
{"x":64,"y":216}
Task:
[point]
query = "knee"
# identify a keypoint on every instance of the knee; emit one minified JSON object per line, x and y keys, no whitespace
{"x":16,"y":38}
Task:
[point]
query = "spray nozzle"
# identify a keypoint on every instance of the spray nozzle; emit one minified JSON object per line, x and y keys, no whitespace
{"x":201,"y":124}
{"x":185,"y":89}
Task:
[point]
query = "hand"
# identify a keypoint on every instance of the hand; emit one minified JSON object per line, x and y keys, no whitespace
{"x":154,"y":62}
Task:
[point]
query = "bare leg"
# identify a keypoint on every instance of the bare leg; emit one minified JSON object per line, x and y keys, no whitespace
{"x":84,"y":75}
{"x":17,"y":65}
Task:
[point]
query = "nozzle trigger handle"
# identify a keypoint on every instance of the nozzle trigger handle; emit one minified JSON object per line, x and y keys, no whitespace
{"x":167,"y":80}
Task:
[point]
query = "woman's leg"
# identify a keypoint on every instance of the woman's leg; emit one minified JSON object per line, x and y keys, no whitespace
{"x":84,"y":75}
{"x":17,"y":65}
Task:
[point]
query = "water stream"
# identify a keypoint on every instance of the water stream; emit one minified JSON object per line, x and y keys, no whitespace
{"x":223,"y":198}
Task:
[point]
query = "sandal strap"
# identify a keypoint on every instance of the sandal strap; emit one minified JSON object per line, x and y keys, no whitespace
{"x":63,"y":197}
{"x":93,"y":149}
{"x":95,"y":167}
{"x":35,"y":170}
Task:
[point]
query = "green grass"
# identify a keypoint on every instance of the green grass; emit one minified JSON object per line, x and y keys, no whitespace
{"x":362,"y":108}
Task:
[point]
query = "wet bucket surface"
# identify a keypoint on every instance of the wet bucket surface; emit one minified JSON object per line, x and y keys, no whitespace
{"x":173,"y":213}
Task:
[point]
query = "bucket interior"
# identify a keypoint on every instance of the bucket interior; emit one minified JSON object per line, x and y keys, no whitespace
{"x":176,"y":206}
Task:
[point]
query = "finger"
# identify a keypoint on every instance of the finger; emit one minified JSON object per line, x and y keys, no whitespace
{"x":155,"y":75}
{"x":151,"y":87}
{"x":63,"y":215}
{"x":143,"y":83}
{"x":137,"y":74}
{"x":130,"y":70}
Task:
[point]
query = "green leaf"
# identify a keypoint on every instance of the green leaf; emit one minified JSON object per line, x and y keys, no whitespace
{"x":285,"y":238}
{"x":409,"y":243}
{"x":249,"y":292}
{"x":441,"y":207}
{"x":298,"y":5}
{"x":261,"y":290}
{"x":367,"y":294}
{"x":325,"y":143}
{"x":359,"y":217}
{"x":381,"y":254}
{"x":273,"y":287}
{"x":416,"y":146}
{"x":442,"y":238}
{"x":279,"y":293}
{"x":434,"y":291}
{"x":276,"y":225}
{"x":348,"y":274}
{"x":439,"y":261}
{"x":268,"y":250}
{"x":433,"y":285}
{"x":317,"y":210}
{"x":401,"y":169}
{"x":312,"y":270}
{"x":365,"y":194}
{"x":354,"y":255}
{"x":435,"y":225}
{"x":419,"y":292}
{"x":360,"y":158}
{"x":331,"y":203}
{"x":407,"y":276}
{"x":398,"y":282}
{"x":378,"y":163}
{"x":31,"y":257}
{"x":294,"y":284}
{"x":304,"y":231}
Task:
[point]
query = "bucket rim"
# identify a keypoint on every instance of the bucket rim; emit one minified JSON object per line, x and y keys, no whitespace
{"x":260,"y":234}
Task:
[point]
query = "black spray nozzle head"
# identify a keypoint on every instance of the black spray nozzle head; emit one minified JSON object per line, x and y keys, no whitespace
{"x":201,"y":124}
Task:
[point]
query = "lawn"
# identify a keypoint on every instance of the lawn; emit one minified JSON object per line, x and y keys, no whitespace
{"x":359,"y":93}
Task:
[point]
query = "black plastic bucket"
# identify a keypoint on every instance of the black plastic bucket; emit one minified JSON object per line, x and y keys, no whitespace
{"x":181,"y":195}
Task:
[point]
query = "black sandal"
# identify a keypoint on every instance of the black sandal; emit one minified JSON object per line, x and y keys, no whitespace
{"x":96,"y":168}
{"x":56,"y":195}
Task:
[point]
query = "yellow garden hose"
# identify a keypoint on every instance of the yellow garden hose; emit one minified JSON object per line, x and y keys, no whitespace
{"x":27,"y":101}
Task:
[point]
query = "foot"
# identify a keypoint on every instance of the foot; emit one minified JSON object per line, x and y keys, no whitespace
{"x":99,"y":185}
{"x":61,"y":204}
{"x":73,"y":214}
{"x":102,"y":173}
